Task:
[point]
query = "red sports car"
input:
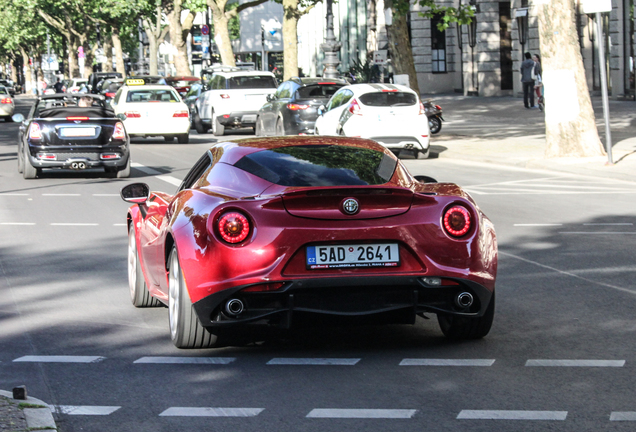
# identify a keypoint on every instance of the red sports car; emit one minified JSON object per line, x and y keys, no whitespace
{"x":295,"y":229}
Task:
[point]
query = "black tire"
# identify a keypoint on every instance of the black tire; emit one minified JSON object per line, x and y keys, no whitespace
{"x":20,"y":162}
{"x":434,"y":124}
{"x":8,"y":119}
{"x":139,"y":294}
{"x":125,"y":171}
{"x":280,"y":127}
{"x":218,"y":129}
{"x":198,"y":124}
{"x":459,"y":328}
{"x":185,"y":329}
{"x":258,"y":129}
{"x":28,"y":170}
{"x":169,"y":138}
{"x":422,"y":154}
{"x":183,"y":138}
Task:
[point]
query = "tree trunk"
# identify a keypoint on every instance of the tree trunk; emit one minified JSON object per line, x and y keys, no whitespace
{"x":89,"y":52}
{"x":119,"y":53}
{"x":28,"y":77}
{"x":107,"y":66}
{"x":73,"y":66}
{"x":177,"y":40}
{"x":400,"y":48}
{"x":570,"y":127}
{"x":290,"y":39}
{"x":222,"y":32}
{"x":153,"y":47}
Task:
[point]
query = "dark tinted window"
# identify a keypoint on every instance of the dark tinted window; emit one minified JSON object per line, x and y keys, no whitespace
{"x":322,"y":165}
{"x":252,"y":81}
{"x":323,"y":91}
{"x":388,"y":99}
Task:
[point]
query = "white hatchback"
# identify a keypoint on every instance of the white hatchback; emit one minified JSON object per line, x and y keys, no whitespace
{"x":152,"y":110}
{"x":7,"y":106}
{"x":390,"y":114}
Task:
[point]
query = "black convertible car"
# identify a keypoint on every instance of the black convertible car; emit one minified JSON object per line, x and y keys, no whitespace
{"x":76,"y":131}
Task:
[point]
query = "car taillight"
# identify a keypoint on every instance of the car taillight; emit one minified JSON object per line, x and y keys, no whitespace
{"x":180,"y":114}
{"x":109,"y":95}
{"x":119,"y":133}
{"x":233,"y":227}
{"x":34,"y":131}
{"x":225,"y":96}
{"x":75,"y":118}
{"x":422,"y":109}
{"x":389,"y":90}
{"x":438,"y":107}
{"x":132,"y":114}
{"x":457,"y":221}
{"x":354,"y":107}
{"x":296,"y":107}
{"x":6,"y":101}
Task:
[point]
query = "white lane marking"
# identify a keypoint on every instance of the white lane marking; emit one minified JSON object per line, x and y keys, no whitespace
{"x":599,"y":232}
{"x":74,"y":224}
{"x":144,"y":168}
{"x":623,"y":416}
{"x":61,"y":194}
{"x":211,"y":412}
{"x":511,"y":415}
{"x":84,"y":409}
{"x":447,"y":362}
{"x":538,"y":225}
{"x":609,"y":224}
{"x":107,"y":195}
{"x":60,"y":359}
{"x":186,"y":360}
{"x":566,"y":273}
{"x":12,"y":194}
{"x":120,"y":224}
{"x":314,"y":361}
{"x":169,"y":179}
{"x":17,"y":223}
{"x":576,"y":363}
{"x":362,"y":413}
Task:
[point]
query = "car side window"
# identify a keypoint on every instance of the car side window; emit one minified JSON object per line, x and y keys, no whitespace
{"x":286,"y":93}
{"x":335,"y":101}
{"x":280,"y":90}
{"x":347,"y":95}
{"x":196,"y":172}
{"x":117,"y":96}
{"x":193,"y":90}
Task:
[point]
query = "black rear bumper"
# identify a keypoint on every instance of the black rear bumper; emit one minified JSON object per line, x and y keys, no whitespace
{"x":90,"y":156}
{"x":361,"y":297}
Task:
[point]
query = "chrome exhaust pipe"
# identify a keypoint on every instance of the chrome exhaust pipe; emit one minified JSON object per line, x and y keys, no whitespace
{"x":464,"y":300}
{"x":74,"y":165}
{"x":234,"y":307}
{"x":81,"y":165}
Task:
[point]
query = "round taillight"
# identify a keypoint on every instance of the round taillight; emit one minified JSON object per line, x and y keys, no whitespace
{"x":457,"y":221}
{"x":233,"y":227}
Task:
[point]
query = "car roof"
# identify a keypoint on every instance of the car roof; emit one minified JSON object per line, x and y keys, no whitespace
{"x":149,"y":86}
{"x":183,"y":78}
{"x":314,"y":80}
{"x":376,"y":88}
{"x":232,"y":151}
{"x":71,"y":95}
{"x":243,"y":73}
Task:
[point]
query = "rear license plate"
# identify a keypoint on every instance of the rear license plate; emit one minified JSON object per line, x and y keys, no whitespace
{"x":354,"y":255}
{"x":250,"y":118}
{"x":77,"y":132}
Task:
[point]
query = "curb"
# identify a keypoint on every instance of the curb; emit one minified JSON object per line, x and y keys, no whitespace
{"x":36,"y":418}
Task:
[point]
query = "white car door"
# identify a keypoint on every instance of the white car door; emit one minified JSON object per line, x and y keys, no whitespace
{"x":327,"y":123}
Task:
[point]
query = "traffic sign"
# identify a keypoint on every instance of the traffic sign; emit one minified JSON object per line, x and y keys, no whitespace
{"x":205,"y":30}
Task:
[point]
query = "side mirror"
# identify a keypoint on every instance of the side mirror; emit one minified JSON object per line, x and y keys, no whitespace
{"x":425,"y":179}
{"x":121,"y":116}
{"x":136,"y":193}
{"x":18,"y":118}
{"x":321,"y":110}
{"x":270,"y":97}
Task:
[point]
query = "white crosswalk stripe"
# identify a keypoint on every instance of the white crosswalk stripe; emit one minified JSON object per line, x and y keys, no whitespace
{"x":59,"y":359}
{"x":447,"y":362}
{"x":186,"y":360}
{"x":362,"y":413}
{"x":211,"y":412}
{"x":315,"y":361}
{"x":87,"y":410}
{"x":511,"y":415}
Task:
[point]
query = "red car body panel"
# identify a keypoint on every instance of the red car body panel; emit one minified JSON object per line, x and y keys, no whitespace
{"x":285,"y":220}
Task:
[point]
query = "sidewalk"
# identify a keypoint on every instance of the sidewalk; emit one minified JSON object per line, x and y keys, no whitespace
{"x":502,"y":131}
{"x":24,"y":415}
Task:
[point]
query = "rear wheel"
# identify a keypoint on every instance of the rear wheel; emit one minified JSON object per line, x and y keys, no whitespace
{"x":198,"y":124}
{"x":139,"y":294}
{"x":422,"y":154}
{"x":168,"y":138}
{"x":20,"y":162}
{"x":8,"y":119}
{"x":217,"y":128}
{"x":28,"y":170}
{"x":183,"y":138}
{"x":125,"y":171}
{"x":280,"y":128}
{"x":458,"y":327}
{"x":434,"y":124}
{"x":185,"y":329}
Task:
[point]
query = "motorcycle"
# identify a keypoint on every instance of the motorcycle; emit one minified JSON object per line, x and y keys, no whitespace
{"x":434,"y":114}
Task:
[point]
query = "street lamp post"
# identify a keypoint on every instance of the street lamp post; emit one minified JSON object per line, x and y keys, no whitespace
{"x":472,"y":42}
{"x":330,"y":47}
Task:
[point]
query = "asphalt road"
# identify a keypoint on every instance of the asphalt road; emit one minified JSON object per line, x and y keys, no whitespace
{"x":560,"y":355}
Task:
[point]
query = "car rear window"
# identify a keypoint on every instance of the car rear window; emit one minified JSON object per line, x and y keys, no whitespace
{"x":385,"y":99}
{"x":160,"y":95}
{"x":252,"y":81}
{"x":320,"y":165}
{"x":324,"y":91}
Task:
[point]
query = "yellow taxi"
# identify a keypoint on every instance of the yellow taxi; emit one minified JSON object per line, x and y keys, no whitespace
{"x":151,"y":110}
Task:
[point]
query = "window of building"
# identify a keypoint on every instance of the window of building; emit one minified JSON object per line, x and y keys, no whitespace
{"x":438,"y":45}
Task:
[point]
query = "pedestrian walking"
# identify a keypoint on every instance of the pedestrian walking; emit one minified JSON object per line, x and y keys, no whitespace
{"x":527,"y":70}
{"x":538,"y":82}
{"x":41,"y":86}
{"x":59,"y":87}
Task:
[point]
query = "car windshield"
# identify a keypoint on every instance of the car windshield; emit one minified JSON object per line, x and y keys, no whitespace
{"x":3,"y":91}
{"x":155,"y":95}
{"x":386,"y":99}
{"x":320,"y":165}
{"x":251,"y":82}
{"x":323,"y":91}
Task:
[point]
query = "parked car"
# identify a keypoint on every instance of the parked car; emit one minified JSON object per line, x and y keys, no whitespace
{"x":72,"y":130}
{"x":95,"y":78}
{"x":74,"y":85}
{"x":233,"y":100}
{"x":7,"y":106}
{"x":287,"y":230}
{"x":390,"y":114}
{"x":9,"y":85}
{"x":293,"y":109}
{"x":182,"y":84}
{"x":191,"y":98}
{"x":152,"y":110}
